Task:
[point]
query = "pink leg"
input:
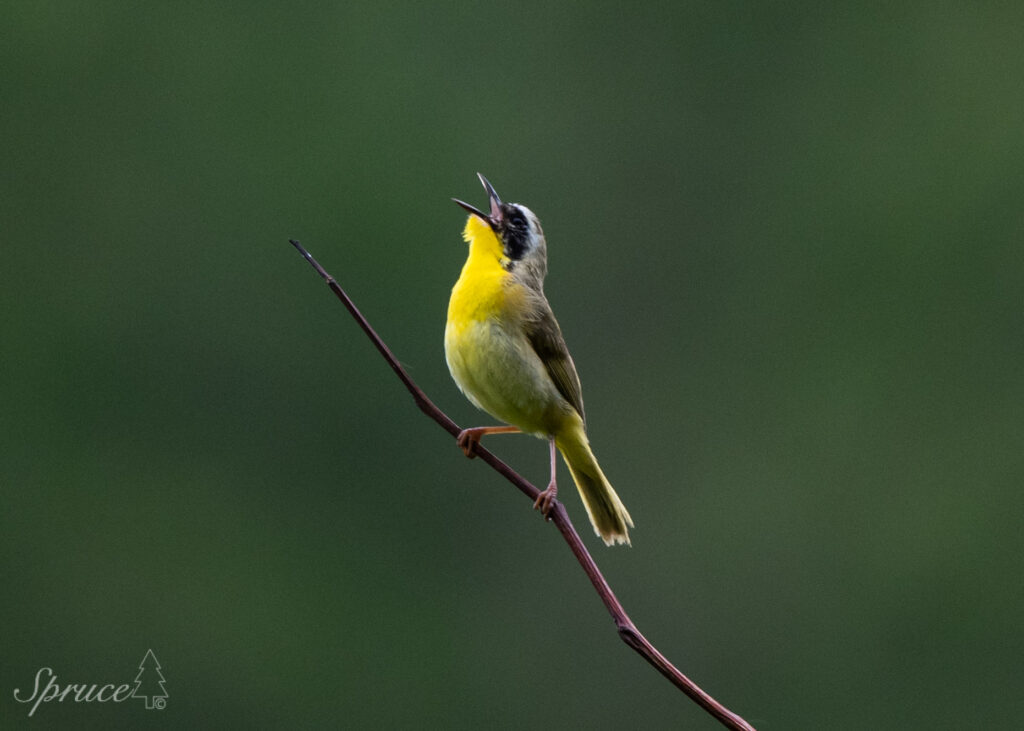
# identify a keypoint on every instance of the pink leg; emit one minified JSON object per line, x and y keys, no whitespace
{"x":469,"y":438}
{"x":546,"y":500}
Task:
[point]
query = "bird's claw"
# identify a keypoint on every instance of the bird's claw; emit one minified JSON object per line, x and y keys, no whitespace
{"x":546,"y":501}
{"x":468,"y":439}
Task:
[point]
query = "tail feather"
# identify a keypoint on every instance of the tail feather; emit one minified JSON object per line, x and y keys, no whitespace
{"x":607,"y":514}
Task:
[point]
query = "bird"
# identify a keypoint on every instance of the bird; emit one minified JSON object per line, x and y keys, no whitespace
{"x":506,"y":353}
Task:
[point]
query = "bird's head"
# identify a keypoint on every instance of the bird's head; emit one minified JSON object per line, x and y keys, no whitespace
{"x":516,"y":228}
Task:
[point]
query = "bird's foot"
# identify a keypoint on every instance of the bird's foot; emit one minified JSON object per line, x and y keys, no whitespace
{"x":546,"y":500}
{"x":469,"y":438}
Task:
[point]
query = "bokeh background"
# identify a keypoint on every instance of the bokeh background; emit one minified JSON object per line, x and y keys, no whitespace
{"x":786,"y":252}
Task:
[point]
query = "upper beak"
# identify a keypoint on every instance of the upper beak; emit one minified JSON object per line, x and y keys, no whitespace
{"x":495,"y":218}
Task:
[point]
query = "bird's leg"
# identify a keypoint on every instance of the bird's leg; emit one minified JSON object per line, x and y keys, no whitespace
{"x":546,"y":499}
{"x":469,"y":438}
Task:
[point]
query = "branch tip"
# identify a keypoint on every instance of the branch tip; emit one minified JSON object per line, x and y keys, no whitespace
{"x":313,"y":262}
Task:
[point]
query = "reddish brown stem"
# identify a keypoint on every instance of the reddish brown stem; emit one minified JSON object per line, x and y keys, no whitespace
{"x":627,"y":630}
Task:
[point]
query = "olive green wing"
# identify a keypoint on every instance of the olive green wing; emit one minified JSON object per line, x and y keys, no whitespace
{"x":546,"y":338}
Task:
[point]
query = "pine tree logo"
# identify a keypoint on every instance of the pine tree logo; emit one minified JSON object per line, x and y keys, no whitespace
{"x":149,"y":683}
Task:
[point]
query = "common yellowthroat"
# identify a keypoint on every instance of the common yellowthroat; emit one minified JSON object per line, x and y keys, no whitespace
{"x":506,"y":353}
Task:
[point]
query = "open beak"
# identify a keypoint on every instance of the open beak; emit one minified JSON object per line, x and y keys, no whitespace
{"x":495,"y":217}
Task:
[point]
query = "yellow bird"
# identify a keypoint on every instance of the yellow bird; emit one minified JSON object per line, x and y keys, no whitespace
{"x":506,"y":353}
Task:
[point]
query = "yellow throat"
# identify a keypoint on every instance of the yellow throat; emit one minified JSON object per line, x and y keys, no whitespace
{"x":480,"y":292}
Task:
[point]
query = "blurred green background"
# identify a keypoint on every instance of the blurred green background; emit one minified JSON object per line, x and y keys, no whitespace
{"x":785,"y":249}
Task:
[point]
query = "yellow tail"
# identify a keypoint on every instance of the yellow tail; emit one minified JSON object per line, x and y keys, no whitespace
{"x":607,"y":513}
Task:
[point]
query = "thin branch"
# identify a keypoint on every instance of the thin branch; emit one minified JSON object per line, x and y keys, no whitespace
{"x":627,"y":630}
